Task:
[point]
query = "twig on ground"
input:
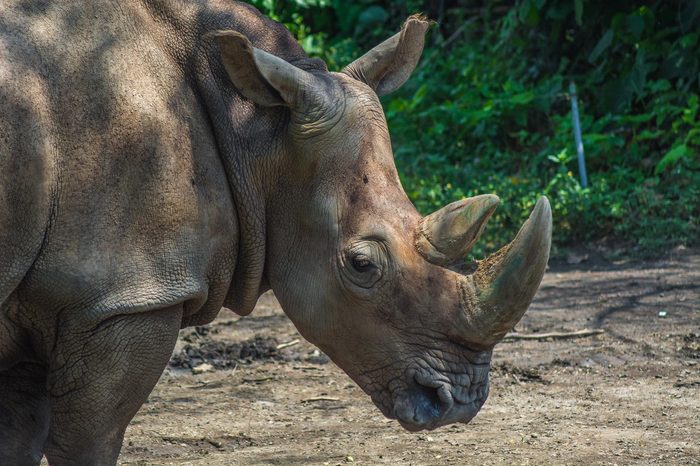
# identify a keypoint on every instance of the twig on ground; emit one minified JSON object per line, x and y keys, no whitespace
{"x":320,"y":398}
{"x":288,"y":344}
{"x":553,"y":335}
{"x":307,"y":368}
{"x":261,"y":379}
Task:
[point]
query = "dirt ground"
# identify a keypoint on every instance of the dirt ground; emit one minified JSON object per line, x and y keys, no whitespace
{"x":628,"y":396}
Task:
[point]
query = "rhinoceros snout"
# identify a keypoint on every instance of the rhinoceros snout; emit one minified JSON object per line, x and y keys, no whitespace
{"x":427,"y":406}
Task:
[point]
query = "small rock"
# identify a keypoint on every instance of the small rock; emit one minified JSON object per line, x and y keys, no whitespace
{"x":663,"y":313}
{"x":202,"y":368}
{"x":215,"y":443}
{"x":534,"y":435}
{"x":349,"y":459}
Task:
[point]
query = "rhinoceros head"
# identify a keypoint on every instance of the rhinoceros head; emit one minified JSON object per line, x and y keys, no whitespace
{"x":358,"y":270}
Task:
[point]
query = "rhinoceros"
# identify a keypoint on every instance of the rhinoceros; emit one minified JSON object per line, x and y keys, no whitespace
{"x":160,"y":160}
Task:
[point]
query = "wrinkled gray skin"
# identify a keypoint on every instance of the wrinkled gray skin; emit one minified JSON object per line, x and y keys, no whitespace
{"x":155,"y":166}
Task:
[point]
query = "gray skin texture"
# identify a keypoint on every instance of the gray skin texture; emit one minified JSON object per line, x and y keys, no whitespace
{"x":155,"y":166}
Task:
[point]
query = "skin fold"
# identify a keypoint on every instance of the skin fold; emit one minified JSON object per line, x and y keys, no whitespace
{"x":160,"y":160}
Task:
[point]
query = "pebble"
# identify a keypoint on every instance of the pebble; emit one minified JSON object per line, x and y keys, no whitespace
{"x":202,"y":368}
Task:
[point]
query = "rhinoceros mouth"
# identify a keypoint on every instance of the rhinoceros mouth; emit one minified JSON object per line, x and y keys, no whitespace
{"x":426,"y":403}
{"x":421,"y":406}
{"x":429,"y":404}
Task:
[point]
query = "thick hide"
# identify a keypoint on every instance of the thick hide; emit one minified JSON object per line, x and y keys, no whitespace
{"x":160,"y":160}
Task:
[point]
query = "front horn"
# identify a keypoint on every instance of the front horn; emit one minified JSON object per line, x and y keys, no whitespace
{"x":448,"y":234}
{"x":505,"y":283}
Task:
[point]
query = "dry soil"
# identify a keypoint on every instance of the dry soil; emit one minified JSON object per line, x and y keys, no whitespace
{"x":628,"y":396}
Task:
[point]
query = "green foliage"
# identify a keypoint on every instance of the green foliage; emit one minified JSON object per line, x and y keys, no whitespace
{"x":338,"y":31}
{"x":488,"y":109}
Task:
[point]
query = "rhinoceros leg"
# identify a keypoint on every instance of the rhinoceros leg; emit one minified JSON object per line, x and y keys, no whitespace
{"x":99,"y":378}
{"x":24,"y":414}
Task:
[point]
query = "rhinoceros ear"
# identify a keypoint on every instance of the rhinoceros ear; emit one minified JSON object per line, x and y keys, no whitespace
{"x":260,"y":76}
{"x":387,"y":66}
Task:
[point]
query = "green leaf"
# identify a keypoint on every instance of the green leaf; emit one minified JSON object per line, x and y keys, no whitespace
{"x":689,"y":40}
{"x":602,"y":45}
{"x":635,"y":23}
{"x":672,"y":157}
{"x":523,"y":98}
{"x":578,"y":9}
{"x":660,"y":85}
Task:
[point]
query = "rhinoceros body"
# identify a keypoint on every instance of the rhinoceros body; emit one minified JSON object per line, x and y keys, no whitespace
{"x":162,"y":159}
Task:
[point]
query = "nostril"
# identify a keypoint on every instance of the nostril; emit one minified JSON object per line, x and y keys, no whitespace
{"x":436,"y":399}
{"x":427,"y":404}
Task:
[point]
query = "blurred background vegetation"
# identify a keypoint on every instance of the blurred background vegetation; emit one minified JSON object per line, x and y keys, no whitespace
{"x":488,"y":109}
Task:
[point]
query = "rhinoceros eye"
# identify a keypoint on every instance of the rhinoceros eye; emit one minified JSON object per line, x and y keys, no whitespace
{"x":363,"y":263}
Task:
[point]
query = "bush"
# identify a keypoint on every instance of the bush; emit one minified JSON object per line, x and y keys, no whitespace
{"x":488,"y":109}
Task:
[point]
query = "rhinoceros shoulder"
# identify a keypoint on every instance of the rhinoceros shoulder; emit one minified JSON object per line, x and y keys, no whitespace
{"x":142,"y":213}
{"x":28,"y":166}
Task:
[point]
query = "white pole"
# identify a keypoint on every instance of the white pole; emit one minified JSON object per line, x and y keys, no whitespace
{"x":577,"y":136}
